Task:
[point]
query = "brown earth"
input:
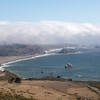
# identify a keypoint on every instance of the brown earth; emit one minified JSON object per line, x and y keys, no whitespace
{"x":51,"y":90}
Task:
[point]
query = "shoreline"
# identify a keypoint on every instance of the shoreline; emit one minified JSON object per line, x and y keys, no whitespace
{"x":12,"y":59}
{"x":5,"y":61}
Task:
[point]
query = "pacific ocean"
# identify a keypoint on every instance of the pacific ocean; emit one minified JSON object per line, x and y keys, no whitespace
{"x":85,"y":66}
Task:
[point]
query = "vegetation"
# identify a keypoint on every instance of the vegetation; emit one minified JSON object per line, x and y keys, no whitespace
{"x":13,"y":79}
{"x":3,"y":79}
{"x":10,"y":77}
{"x":9,"y":96}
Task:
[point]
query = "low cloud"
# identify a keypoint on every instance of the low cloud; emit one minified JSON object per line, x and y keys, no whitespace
{"x":49,"y":32}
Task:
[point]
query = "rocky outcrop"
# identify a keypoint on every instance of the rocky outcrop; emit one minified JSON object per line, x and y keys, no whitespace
{"x":10,"y":77}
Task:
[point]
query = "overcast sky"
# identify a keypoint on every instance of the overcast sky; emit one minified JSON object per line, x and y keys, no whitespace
{"x":50,"y":21}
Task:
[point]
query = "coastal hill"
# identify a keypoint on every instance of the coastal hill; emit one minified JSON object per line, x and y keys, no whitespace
{"x":19,"y":50}
{"x":48,"y":89}
{"x":26,"y":49}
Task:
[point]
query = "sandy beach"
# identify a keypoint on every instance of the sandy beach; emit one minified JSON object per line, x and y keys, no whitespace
{"x":5,"y":59}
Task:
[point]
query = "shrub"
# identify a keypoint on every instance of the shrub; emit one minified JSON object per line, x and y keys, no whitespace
{"x":9,"y":96}
{"x":17,"y":80}
{"x":14,"y":79}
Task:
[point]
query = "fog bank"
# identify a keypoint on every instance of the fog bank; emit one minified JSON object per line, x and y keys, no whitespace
{"x":49,"y":32}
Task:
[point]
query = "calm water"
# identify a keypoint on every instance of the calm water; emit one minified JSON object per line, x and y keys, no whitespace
{"x":86,"y":66}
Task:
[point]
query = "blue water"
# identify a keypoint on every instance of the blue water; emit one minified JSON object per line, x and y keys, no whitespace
{"x":85,"y":66}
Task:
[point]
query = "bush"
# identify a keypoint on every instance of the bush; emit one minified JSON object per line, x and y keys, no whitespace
{"x":11,"y":80}
{"x":14,"y":79}
{"x":17,"y":80}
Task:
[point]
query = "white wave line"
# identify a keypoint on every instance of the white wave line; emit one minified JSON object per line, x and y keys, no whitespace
{"x":22,"y":59}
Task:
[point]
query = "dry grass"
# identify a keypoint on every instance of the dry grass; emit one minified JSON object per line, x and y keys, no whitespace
{"x":14,"y":96}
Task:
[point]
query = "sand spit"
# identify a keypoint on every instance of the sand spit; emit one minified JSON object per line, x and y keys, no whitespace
{"x":4,"y":61}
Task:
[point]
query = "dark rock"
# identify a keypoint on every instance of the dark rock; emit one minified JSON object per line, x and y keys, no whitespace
{"x":11,"y":77}
{"x":69,"y":79}
{"x":58,"y":76}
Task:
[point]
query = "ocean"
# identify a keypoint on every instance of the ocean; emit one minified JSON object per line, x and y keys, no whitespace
{"x":85,"y":66}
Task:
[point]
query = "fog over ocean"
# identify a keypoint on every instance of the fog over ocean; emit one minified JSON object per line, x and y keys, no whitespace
{"x":49,"y":32}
